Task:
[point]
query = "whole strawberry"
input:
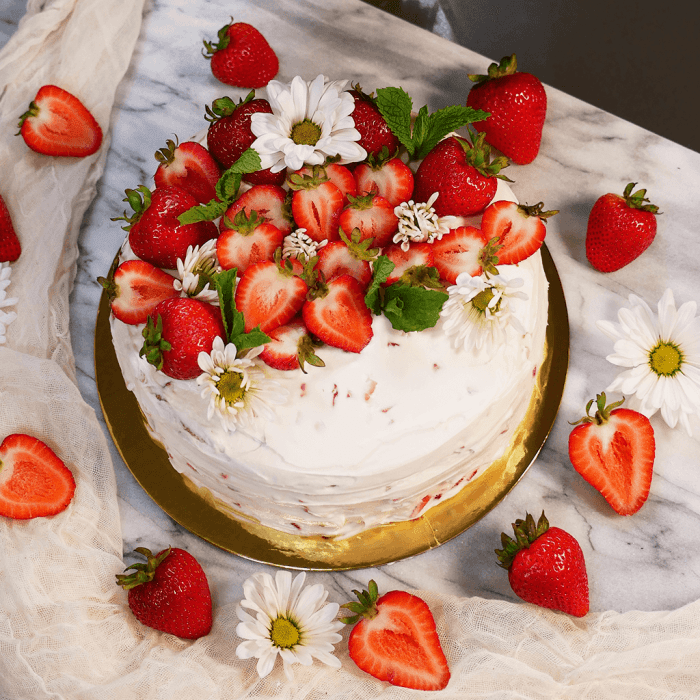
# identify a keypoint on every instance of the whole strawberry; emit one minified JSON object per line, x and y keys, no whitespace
{"x":10,"y":248}
{"x":620,"y":229}
{"x":242,"y":57}
{"x":545,"y":566}
{"x":463,"y":174}
{"x":170,"y":593}
{"x":375,"y":134}
{"x":517,"y":103}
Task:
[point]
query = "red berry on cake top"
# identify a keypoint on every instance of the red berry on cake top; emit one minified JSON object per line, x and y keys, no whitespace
{"x":190,"y":166}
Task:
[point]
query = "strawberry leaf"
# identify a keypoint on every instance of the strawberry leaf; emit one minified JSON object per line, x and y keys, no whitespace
{"x":395,"y":105}
{"x":412,"y":308}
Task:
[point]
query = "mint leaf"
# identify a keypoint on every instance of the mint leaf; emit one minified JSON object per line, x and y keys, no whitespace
{"x":249,"y":162}
{"x":443,"y":122}
{"x":203,"y":212}
{"x":421,"y":128}
{"x":245,"y":341}
{"x":395,"y":105}
{"x":381,"y":269}
{"x":226,"y":286}
{"x":412,"y":308}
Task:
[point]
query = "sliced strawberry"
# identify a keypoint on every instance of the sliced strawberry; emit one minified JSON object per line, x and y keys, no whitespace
{"x":519,"y":228}
{"x":190,"y":166}
{"x":269,"y":296}
{"x":417,"y":254}
{"x":340,"y":317}
{"x":268,"y":201}
{"x":614,"y":452}
{"x":34,"y":481}
{"x":248,"y":240}
{"x":135,"y":288}
{"x":291,"y":347}
{"x":339,"y":175}
{"x":459,"y":251}
{"x":316,"y":204}
{"x":335,"y":258}
{"x":392,"y":179}
{"x":396,"y":640}
{"x":373,"y":215}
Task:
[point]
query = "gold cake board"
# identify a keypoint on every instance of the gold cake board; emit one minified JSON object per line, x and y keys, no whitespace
{"x":197,"y":512}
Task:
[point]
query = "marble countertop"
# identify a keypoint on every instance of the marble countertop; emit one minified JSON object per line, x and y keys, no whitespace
{"x":642,"y":562}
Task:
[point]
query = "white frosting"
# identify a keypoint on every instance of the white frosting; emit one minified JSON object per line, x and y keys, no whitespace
{"x":370,"y":438}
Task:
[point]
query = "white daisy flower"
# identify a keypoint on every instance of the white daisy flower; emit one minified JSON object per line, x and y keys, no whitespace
{"x":478,"y":311}
{"x":286,"y":619}
{"x":298,"y":243}
{"x":237,"y":388}
{"x":311,"y":121}
{"x":6,"y":317}
{"x":196,"y":271}
{"x":662,"y":354}
{"x":419,"y":223}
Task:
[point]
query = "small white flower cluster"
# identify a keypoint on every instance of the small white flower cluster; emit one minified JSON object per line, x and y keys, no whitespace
{"x":198,"y":260}
{"x":6,"y":317}
{"x":299,"y":243}
{"x":419,"y":223}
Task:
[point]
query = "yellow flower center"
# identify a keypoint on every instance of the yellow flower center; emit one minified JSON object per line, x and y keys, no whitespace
{"x":666,"y":359}
{"x":306,"y":133}
{"x":482,"y":300}
{"x":284,"y":633}
{"x":229,"y":386}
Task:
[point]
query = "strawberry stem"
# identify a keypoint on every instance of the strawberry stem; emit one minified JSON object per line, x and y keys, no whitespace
{"x":366,"y":607}
{"x":143,"y":573}
{"x":602,"y":415}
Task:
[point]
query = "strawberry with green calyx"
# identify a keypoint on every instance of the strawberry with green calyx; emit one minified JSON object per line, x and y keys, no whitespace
{"x":614,"y":451}
{"x":545,"y":566}
{"x":340,"y":175}
{"x":246,"y":240}
{"x":316,"y":204}
{"x":388,"y":176}
{"x":463,"y":249}
{"x":291,"y":347}
{"x":375,"y":133}
{"x":517,"y":106}
{"x":418,"y":255}
{"x":395,"y":639}
{"x":350,"y":255}
{"x":10,"y":247}
{"x":373,"y":215}
{"x":620,"y":229}
{"x":169,"y":593}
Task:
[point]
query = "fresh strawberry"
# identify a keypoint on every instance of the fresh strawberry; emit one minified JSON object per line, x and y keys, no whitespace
{"x":34,"y":481}
{"x":169,"y":593}
{"x":10,"y":248}
{"x":316,"y":204}
{"x":395,"y":639}
{"x":375,"y":133}
{"x":246,"y":241}
{"x":177,"y":331}
{"x":339,"y":175}
{"x":373,"y":215}
{"x":58,"y":124}
{"x":517,"y":104}
{"x":520,"y":229}
{"x":417,"y":254}
{"x":242,"y":57}
{"x":291,"y":347}
{"x":545,"y":566}
{"x":190,"y":166}
{"x":620,"y":229}
{"x":392,"y":179}
{"x":459,"y":251}
{"x":269,"y":295}
{"x":336,"y":258}
{"x":269,"y":201}
{"x":155,"y":234}
{"x":135,"y":288}
{"x":338,"y":315}
{"x":614,"y":452}
{"x":463,"y":175}
{"x":229,"y":134}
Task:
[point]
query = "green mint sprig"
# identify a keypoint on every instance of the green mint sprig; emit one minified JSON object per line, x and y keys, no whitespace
{"x":396,"y":106}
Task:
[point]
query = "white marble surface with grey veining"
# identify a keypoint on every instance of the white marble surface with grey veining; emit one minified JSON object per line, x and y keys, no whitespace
{"x":643,"y":562}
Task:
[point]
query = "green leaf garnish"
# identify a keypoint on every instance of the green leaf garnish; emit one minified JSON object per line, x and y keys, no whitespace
{"x":396,"y":105}
{"x":381,"y":270}
{"x":412,"y":308}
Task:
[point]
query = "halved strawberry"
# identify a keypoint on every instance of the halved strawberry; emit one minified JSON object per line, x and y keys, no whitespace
{"x":392,"y":179}
{"x":269,"y":296}
{"x":336,"y":258}
{"x":339,"y":175}
{"x":135,"y":288}
{"x":459,"y":251}
{"x":290,"y":348}
{"x":268,"y":201}
{"x":417,"y":254}
{"x":373,"y":215}
{"x":396,"y":640}
{"x":614,"y":452}
{"x":519,"y":228}
{"x":246,"y":241}
{"x":316,"y":204}
{"x":339,"y":316}
{"x":34,"y":481}
{"x":190,"y":166}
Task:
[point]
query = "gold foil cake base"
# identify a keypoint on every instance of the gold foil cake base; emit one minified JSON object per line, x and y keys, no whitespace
{"x":196,"y":510}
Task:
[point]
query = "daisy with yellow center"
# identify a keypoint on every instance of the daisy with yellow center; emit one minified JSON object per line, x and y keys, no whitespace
{"x":196,"y":273}
{"x":662,"y":355}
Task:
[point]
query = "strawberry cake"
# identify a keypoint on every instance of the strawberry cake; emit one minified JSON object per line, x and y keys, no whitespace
{"x":366,"y":357}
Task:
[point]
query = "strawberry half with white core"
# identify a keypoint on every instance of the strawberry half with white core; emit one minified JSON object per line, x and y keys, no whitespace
{"x":135,"y":288}
{"x":459,"y":251}
{"x":269,"y":295}
{"x":291,"y":347}
{"x":339,"y":175}
{"x":269,"y":201}
{"x":520,"y":229}
{"x":316,"y":204}
{"x":395,"y":639}
{"x":34,"y":481}
{"x":335,"y":258}
{"x":246,"y":241}
{"x":373,"y":215}
{"x":337,"y":314}
{"x":190,"y":166}
{"x":418,"y":254}
{"x":614,"y":451}
{"x":391,"y":178}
